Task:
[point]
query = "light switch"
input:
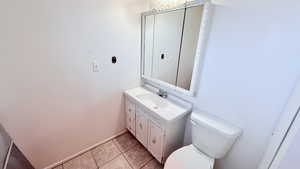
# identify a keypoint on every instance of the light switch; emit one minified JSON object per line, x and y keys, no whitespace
{"x":95,"y":66}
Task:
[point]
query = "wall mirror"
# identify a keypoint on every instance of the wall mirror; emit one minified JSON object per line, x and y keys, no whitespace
{"x":172,"y":40}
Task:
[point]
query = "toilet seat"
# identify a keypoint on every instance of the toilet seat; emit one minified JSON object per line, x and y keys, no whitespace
{"x":189,"y":157}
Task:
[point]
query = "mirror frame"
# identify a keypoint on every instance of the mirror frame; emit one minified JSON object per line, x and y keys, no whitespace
{"x":203,"y":34}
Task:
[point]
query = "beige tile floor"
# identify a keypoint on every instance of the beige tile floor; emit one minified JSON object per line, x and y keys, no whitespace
{"x":123,"y":152}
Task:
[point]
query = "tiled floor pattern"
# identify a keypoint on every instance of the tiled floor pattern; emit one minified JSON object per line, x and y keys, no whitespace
{"x":123,"y":152}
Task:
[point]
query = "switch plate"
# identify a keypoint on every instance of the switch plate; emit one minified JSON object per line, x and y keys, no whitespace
{"x":95,"y":66}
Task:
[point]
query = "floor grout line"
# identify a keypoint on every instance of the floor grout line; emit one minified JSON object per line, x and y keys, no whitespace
{"x":111,"y":160}
{"x":146,"y":163}
{"x":152,"y":158}
{"x":128,"y":148}
{"x":93,"y":157}
{"x":127,"y":161}
{"x":121,"y":153}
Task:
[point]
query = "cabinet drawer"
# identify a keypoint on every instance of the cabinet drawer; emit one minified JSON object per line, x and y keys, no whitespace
{"x":130,"y":116}
{"x":141,"y":127}
{"x":155,"y":140}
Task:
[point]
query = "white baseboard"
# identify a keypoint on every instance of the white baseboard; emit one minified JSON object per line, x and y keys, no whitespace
{"x":83,"y":151}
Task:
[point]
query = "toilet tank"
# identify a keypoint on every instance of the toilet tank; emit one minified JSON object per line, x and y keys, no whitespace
{"x":213,"y":136}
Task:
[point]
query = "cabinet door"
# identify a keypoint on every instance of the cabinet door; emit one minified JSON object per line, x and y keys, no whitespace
{"x":155,"y":141}
{"x":166,"y":45}
{"x":130,"y":116}
{"x":141,"y":127}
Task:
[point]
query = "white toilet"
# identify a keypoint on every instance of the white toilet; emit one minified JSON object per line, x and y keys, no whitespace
{"x":212,"y":139}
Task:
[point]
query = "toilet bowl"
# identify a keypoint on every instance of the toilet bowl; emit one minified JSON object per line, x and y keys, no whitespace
{"x":212,"y":138}
{"x":189,"y":157}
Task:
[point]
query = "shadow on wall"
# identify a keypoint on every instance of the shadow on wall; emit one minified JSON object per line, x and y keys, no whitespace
{"x":132,"y":10}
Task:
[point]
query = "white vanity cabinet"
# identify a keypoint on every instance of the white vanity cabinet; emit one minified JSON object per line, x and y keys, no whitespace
{"x":159,"y":130}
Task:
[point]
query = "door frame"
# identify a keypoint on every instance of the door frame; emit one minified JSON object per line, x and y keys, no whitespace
{"x":288,"y":141}
{"x":287,"y":127}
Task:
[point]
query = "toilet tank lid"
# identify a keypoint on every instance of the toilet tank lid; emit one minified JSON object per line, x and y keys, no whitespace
{"x":215,"y":123}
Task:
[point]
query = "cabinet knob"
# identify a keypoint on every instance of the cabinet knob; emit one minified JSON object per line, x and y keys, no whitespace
{"x":141,"y":126}
{"x":153,"y":141}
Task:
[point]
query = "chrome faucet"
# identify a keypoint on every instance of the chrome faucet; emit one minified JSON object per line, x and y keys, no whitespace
{"x":162,"y":93}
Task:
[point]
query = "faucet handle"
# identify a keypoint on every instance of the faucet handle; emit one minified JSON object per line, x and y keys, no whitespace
{"x":162,"y":93}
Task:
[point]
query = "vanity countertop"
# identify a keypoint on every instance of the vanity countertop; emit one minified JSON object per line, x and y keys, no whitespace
{"x":161,"y":107}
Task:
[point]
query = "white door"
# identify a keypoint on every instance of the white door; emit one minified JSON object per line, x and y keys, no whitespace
{"x":155,"y":140}
{"x":284,"y":133}
{"x":289,"y":152}
{"x":290,"y":160}
{"x":141,"y":127}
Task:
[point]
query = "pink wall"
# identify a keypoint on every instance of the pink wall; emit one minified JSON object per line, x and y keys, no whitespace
{"x":51,"y":102}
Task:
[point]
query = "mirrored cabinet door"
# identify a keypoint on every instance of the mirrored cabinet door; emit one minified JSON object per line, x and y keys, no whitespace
{"x":148,"y":44}
{"x":190,"y":36}
{"x":162,"y":45}
{"x":171,"y":39}
{"x":166,"y":47}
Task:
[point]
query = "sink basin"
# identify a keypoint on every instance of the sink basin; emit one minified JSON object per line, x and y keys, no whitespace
{"x":153,"y":101}
{"x":159,"y":108}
